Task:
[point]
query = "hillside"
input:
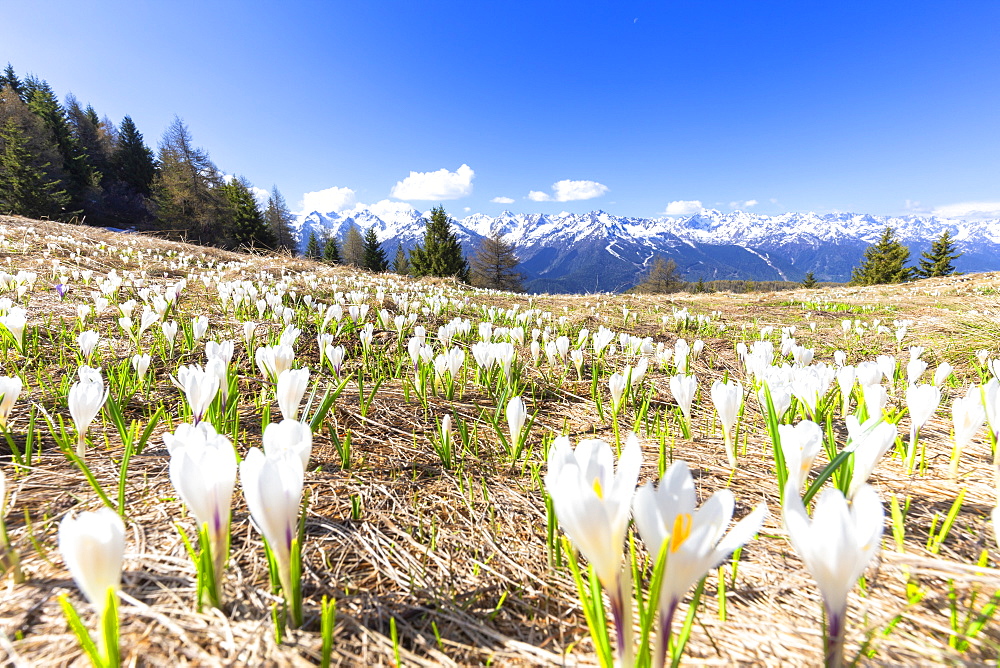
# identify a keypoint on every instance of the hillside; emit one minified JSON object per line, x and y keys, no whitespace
{"x":438,"y":556}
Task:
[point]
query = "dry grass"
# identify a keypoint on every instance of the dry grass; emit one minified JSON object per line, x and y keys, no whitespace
{"x":458,"y":558}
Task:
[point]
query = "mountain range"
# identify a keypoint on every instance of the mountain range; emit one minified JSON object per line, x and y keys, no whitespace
{"x":599,"y":251}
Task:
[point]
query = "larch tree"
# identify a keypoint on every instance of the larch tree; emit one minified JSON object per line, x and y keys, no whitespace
{"x":938,"y":260}
{"x":279,"y":218}
{"x":187,"y":191}
{"x":440,"y":254}
{"x":883,"y":262}
{"x":662,"y":277}
{"x":495,"y":265}
{"x":352,"y":252}
{"x":401,"y":263}
{"x":374,"y":257}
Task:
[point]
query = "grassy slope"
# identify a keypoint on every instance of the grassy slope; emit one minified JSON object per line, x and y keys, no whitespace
{"x":458,"y":557}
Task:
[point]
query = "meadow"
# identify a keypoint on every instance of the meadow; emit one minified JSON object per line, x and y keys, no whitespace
{"x":214,"y":458}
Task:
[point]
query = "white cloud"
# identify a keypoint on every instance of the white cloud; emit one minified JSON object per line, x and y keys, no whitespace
{"x":968,"y":210}
{"x":502,"y":200}
{"x":683,"y":208}
{"x":467,"y":209}
{"x":439,"y":185}
{"x":326,"y":201}
{"x":747,"y":204}
{"x":569,"y":191}
{"x":385,"y":208}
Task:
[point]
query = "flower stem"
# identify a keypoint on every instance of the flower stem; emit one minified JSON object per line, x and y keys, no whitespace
{"x":834,"y":640}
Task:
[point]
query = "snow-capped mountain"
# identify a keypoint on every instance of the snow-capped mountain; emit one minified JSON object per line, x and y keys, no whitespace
{"x":600,"y":251}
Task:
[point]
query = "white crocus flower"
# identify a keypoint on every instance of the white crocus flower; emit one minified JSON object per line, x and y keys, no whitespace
{"x":836,"y":544}
{"x":921,"y":401}
{"x":200,"y":386}
{"x":10,"y":390}
{"x":86,"y":396}
{"x":87,"y":341}
{"x":696,"y":537}
{"x":799,"y":446}
{"x":92,"y":545}
{"x":593,"y":502}
{"x":683,"y":388}
{"x":968,"y":415}
{"x":272,"y":486}
{"x":203,"y":471}
{"x":869,"y":441}
{"x":290,"y":435}
{"x":727,"y":398}
{"x":617,"y":383}
{"x":292,"y":385}
{"x":517,"y":414}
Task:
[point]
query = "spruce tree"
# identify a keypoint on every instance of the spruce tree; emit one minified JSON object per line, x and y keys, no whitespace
{"x":81,"y":179}
{"x":187,"y":191}
{"x":25,"y":189}
{"x":938,"y":260}
{"x":401,"y":263}
{"x":331,"y":252}
{"x":374,"y":257}
{"x":313,"y":251}
{"x":279,"y":218}
{"x":883,"y":262}
{"x":249,"y":228}
{"x":132,"y":161}
{"x":353,"y":250}
{"x":8,"y":78}
{"x":440,"y":254}
{"x":43,"y":155}
{"x":494,"y":265}
{"x":809,"y":281}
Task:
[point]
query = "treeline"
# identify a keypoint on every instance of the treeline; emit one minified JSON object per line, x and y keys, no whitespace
{"x":665,"y":277}
{"x":65,"y":162}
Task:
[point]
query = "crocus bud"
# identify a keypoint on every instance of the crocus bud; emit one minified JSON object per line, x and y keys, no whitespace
{"x":10,"y":390}
{"x":85,"y":399}
{"x":199,"y":386}
{"x":92,"y":545}
{"x":516,"y":416}
{"x":617,"y":383}
{"x":292,"y":384}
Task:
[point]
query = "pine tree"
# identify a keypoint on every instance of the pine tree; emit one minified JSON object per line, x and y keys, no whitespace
{"x":279,"y":218}
{"x":663,"y":277}
{"x":374,"y":257}
{"x":313,"y":251}
{"x":353,"y":250}
{"x":25,"y":189}
{"x":401,"y":263}
{"x":809,"y":281}
{"x":440,"y":254}
{"x":187,"y":191}
{"x":331,"y":252}
{"x":938,"y":260}
{"x":249,"y":228}
{"x":883,"y":262}
{"x":494,"y":265}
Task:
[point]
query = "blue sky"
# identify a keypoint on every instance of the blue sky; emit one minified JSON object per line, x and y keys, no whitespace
{"x":637,"y":108}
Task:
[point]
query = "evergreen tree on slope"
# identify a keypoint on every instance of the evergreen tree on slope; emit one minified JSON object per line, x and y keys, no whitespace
{"x":938,"y":260}
{"x":440,"y":254}
{"x":374,"y":257}
{"x":883,"y":262}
